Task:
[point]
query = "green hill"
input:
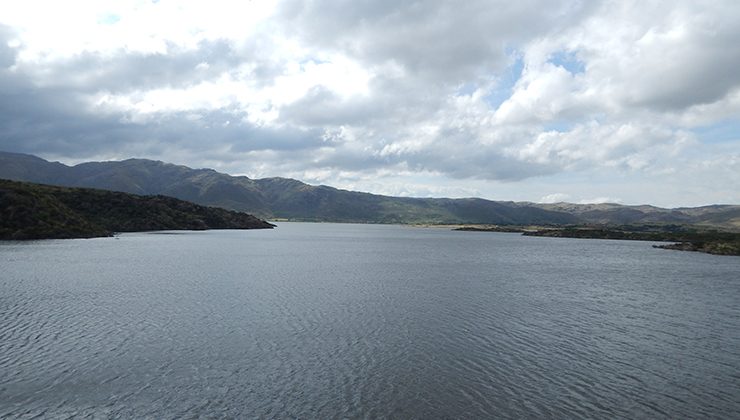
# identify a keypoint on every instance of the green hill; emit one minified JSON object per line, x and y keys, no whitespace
{"x":285,"y":198}
{"x":278,"y":198}
{"x":33,"y":211}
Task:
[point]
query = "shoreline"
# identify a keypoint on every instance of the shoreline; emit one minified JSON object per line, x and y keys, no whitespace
{"x":680,"y":238}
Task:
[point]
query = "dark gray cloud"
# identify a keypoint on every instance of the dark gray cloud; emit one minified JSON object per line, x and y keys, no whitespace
{"x":320,"y":106}
{"x":440,"y":41}
{"x":44,"y":123}
{"x":55,"y":117}
{"x":122,"y":71}
{"x":671,"y":56}
{"x":701,"y":71}
{"x":389,"y":102}
{"x":54,"y":121}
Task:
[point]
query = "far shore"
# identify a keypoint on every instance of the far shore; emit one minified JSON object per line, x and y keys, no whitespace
{"x":682,"y":238}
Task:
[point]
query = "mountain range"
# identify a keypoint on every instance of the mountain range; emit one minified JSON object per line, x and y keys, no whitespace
{"x":284,"y":198}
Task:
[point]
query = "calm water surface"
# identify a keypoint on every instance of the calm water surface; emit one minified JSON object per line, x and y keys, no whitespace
{"x":329,"y":320}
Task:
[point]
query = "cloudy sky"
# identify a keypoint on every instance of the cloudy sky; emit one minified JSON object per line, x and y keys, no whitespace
{"x":555,"y":100}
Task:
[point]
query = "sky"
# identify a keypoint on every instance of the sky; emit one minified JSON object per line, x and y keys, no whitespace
{"x":633,"y":102}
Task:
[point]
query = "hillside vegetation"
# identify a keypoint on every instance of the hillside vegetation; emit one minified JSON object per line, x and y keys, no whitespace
{"x":33,"y":211}
{"x":283,"y":198}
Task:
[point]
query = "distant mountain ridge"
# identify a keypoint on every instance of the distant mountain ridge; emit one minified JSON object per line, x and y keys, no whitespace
{"x":285,"y":198}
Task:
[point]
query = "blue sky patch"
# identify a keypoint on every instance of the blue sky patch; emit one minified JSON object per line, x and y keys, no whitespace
{"x":559,"y":126}
{"x":568,"y":61}
{"x":506,"y":81}
{"x":721,"y":132}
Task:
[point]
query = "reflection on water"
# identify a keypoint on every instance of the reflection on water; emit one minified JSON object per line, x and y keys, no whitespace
{"x":327,"y":320}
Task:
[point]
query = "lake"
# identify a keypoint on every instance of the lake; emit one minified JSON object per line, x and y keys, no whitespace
{"x":366,"y":321}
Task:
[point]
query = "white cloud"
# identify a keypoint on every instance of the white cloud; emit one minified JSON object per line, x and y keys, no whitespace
{"x":53,"y":30}
{"x":554,"y":198}
{"x":343,"y":93}
{"x":600,"y":200}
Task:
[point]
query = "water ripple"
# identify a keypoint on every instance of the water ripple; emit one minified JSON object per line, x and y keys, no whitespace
{"x":348,"y":321}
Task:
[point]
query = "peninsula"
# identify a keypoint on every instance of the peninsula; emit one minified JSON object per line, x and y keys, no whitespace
{"x":35,"y":211}
{"x":680,"y":237}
